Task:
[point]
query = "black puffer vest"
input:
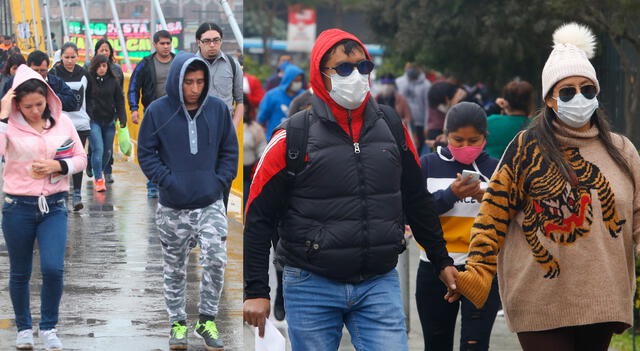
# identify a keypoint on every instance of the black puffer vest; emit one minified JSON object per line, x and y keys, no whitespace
{"x":344,"y":215}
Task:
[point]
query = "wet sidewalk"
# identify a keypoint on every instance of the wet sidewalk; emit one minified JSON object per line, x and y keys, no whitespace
{"x":113,"y":296}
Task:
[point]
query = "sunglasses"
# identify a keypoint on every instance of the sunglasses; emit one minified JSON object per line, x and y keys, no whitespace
{"x":346,"y":68}
{"x":588,"y":91}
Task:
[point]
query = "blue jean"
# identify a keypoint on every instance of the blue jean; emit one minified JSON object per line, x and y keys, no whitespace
{"x":318,"y":307}
{"x":438,"y":317}
{"x":102,"y":135}
{"x":22,"y":225}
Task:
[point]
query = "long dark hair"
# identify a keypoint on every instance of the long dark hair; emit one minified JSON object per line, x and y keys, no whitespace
{"x":95,"y":64}
{"x":12,"y":61}
{"x":105,"y":41}
{"x":248,"y":111}
{"x":544,"y":132}
{"x":39,"y":87}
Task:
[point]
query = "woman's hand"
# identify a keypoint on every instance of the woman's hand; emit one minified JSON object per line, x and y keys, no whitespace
{"x":5,"y":104}
{"x":45,"y":167}
{"x":464,"y":188}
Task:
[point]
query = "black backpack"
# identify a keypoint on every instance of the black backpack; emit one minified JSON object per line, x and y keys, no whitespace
{"x":298,"y":134}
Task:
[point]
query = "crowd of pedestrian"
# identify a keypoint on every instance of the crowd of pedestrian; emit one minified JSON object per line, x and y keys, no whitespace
{"x":187,"y":147}
{"x":530,"y":206}
{"x":499,"y":197}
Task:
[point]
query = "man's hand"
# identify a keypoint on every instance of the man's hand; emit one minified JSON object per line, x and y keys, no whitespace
{"x":448,"y":276}
{"x":135,"y":118}
{"x":256,"y":312}
{"x":464,"y":188}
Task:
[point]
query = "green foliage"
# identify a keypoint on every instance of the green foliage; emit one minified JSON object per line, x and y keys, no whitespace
{"x":490,"y":41}
{"x":256,"y":69}
{"x":624,"y":342}
{"x":253,"y":27}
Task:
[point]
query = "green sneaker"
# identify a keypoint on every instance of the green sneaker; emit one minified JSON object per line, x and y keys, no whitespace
{"x":209,"y":332}
{"x":178,"y":339}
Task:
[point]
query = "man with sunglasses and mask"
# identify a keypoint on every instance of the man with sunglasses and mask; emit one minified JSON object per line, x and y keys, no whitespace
{"x":226,"y":73}
{"x":340,"y":218}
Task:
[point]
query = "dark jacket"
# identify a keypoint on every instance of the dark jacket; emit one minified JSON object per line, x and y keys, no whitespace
{"x":441,"y":164}
{"x":108,"y":100}
{"x":343,"y":215}
{"x":143,"y":83}
{"x":59,"y":87}
{"x":192,"y":159}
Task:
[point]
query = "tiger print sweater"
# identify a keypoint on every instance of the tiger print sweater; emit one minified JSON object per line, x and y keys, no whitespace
{"x":564,"y":251}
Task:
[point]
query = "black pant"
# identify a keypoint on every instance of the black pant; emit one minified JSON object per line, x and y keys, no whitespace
{"x":418,"y":132}
{"x":77,"y":178}
{"x":438,"y":317}
{"x":592,"y":337}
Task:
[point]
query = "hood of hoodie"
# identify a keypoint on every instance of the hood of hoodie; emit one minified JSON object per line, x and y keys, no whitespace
{"x":290,"y":73}
{"x":324,"y":42}
{"x":176,"y":75}
{"x":283,"y":66}
{"x":23,"y":74}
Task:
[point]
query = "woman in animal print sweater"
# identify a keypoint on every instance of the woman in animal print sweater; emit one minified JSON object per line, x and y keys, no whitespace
{"x":561,"y":216}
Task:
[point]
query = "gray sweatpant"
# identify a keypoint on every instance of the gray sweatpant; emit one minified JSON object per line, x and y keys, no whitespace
{"x":180,"y":231}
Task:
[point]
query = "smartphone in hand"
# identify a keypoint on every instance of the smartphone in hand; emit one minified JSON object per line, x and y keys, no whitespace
{"x":470,"y":176}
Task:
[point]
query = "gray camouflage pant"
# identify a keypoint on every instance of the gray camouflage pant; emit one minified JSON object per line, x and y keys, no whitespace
{"x":180,"y":231}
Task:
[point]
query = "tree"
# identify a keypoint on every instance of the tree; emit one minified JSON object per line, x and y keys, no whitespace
{"x":494,"y":41}
{"x":267,"y":14}
{"x":489,"y":41}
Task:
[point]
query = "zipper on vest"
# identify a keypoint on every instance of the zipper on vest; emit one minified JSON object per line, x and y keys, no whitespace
{"x":356,"y":145}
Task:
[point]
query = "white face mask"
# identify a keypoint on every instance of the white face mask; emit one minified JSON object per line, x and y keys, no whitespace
{"x":350,"y":91}
{"x":295,"y":86}
{"x":443,"y":108}
{"x":576,"y":112}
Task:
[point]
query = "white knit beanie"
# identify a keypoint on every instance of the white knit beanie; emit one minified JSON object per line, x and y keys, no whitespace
{"x":573,"y":46}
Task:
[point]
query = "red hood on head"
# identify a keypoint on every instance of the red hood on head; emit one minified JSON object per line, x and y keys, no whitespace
{"x":324,"y":42}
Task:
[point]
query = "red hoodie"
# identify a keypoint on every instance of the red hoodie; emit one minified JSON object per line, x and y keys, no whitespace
{"x":324,"y":42}
{"x":268,"y":194}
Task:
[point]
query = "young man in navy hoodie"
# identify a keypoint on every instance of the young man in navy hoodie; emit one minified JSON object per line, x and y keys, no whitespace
{"x":187,"y":145}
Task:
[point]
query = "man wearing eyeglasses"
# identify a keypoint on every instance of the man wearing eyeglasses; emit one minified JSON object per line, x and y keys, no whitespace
{"x":226,"y":73}
{"x":340,"y":212}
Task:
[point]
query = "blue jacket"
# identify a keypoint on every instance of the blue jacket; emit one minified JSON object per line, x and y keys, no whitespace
{"x":274,"y":107}
{"x":62,"y":90}
{"x":192,"y":159}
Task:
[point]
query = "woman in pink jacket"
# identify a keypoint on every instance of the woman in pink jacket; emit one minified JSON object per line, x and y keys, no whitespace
{"x":41,"y":147}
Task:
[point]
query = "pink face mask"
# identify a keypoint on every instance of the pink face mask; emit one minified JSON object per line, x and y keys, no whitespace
{"x":467,"y":154}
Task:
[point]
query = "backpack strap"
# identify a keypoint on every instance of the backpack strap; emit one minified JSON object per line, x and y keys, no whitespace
{"x":395,"y":124}
{"x":297,"y":137}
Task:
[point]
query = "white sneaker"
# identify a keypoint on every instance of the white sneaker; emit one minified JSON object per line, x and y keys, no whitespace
{"x":50,"y":340}
{"x":24,"y":340}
